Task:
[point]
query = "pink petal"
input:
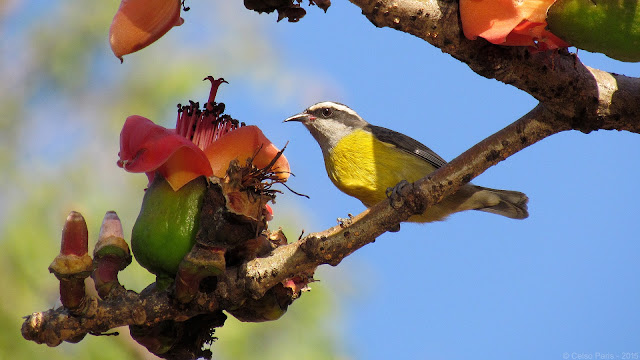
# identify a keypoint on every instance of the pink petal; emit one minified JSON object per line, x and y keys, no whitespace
{"x":147,"y":147}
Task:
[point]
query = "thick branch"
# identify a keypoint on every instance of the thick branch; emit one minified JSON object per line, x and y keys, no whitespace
{"x":253,"y":279}
{"x":571,"y":95}
{"x":593,"y":98}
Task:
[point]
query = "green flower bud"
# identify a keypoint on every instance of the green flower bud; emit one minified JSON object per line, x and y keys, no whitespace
{"x":611,"y":27}
{"x":166,"y":228}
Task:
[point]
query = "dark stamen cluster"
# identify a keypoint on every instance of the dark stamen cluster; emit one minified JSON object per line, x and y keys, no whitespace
{"x":206,"y":125}
{"x":261,"y":180}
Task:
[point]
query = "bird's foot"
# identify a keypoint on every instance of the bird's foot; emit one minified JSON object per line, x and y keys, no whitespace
{"x":396,"y":197}
{"x":396,"y":193}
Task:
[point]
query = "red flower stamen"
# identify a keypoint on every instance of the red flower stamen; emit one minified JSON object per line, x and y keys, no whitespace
{"x":205,"y":126}
{"x":215,"y":84}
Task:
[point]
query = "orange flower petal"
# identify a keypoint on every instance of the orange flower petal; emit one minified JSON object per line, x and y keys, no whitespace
{"x":138,"y":23}
{"x":181,"y":168}
{"x":241,"y":144}
{"x":529,"y":33}
{"x":491,"y":20}
{"x":494,"y":20}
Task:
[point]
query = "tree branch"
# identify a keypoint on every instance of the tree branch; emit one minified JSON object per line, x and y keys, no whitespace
{"x":253,"y":279}
{"x":595,"y":99}
{"x":571,"y":95}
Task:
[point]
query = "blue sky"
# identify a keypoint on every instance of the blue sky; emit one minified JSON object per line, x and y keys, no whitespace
{"x":563,"y":282}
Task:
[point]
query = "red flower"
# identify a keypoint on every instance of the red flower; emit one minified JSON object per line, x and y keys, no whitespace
{"x":203,"y":143}
{"x":509,"y":22}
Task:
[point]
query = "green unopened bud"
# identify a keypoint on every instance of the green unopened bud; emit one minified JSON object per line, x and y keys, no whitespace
{"x":611,"y":27}
{"x":166,"y":227}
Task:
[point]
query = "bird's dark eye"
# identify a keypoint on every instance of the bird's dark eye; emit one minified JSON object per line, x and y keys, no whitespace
{"x":326,"y":112}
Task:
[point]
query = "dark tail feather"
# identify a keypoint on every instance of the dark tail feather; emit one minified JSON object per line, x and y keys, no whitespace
{"x":513,"y":204}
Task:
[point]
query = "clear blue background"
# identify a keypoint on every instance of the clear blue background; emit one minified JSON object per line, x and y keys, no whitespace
{"x":560,"y":284}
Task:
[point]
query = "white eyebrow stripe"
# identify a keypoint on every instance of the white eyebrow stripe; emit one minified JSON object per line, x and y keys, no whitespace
{"x":334,"y":105}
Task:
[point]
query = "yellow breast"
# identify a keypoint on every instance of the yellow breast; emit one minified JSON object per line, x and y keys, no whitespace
{"x":364,"y":167}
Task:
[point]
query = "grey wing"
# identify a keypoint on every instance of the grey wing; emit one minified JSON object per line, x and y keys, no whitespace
{"x":405,"y":143}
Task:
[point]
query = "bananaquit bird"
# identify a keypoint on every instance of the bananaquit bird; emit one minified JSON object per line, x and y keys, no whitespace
{"x":364,"y":160}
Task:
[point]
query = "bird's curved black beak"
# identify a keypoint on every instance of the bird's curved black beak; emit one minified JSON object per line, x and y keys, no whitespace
{"x":302,"y":117}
